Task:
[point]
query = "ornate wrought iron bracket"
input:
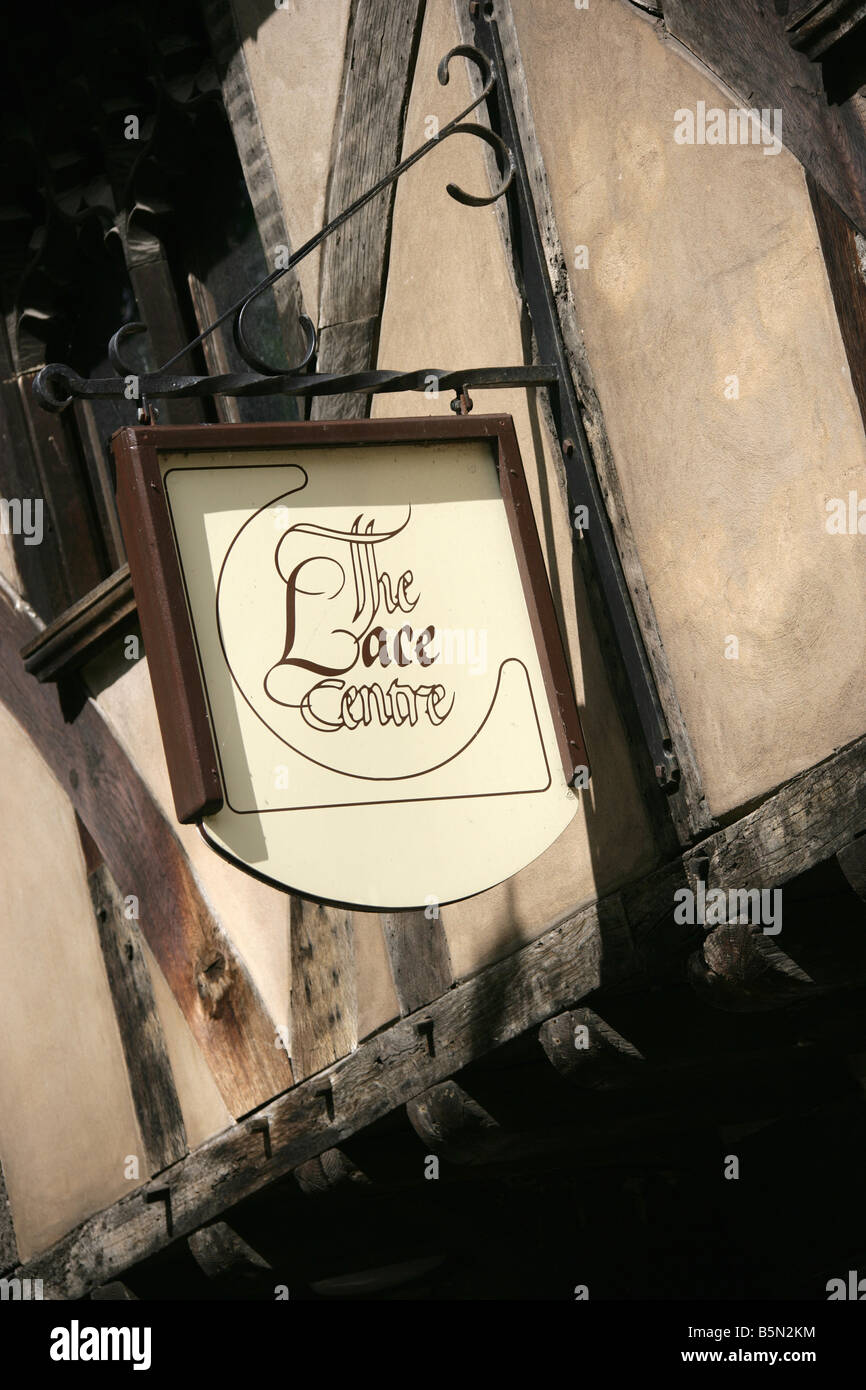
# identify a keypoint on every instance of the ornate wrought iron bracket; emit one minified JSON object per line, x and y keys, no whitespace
{"x":56,"y":385}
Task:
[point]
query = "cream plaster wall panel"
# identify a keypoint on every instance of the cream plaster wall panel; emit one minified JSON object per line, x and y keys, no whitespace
{"x":704,"y":264}
{"x":450,"y":303}
{"x":67,"y":1121}
{"x":255,"y":916}
{"x":204,"y":1112}
{"x":295,"y":60}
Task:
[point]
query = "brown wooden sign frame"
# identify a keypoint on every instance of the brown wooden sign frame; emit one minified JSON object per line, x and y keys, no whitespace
{"x":163,"y":608}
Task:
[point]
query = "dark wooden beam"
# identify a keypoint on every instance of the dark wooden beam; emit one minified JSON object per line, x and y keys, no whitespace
{"x":846,"y":271}
{"x":852,"y":861}
{"x":328,"y":1171}
{"x":221,"y":1253}
{"x":586,"y":1051}
{"x":450,"y":1122}
{"x":578,"y":956}
{"x":151,"y":1080}
{"x":83,"y":630}
{"x":379,"y":65}
{"x":610,"y":942}
{"x":821,"y":27}
{"x":207,"y":976}
{"x":115,"y":1292}
{"x":239,"y":99}
{"x":808,"y":820}
{"x":324,"y":1007}
{"x":419,"y":956}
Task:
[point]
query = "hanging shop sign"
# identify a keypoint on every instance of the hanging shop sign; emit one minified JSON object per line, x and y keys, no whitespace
{"x":358,"y":672}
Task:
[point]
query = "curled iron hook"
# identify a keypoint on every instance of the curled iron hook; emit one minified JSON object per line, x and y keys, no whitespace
{"x":127,"y":330}
{"x":483,"y":132}
{"x":55,"y":386}
{"x":465,"y":50}
{"x":252,"y":359}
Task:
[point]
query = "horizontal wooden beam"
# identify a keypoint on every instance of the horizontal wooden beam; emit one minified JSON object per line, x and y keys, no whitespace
{"x":83,"y":630}
{"x":609,"y":942}
{"x":808,"y":820}
{"x":580,"y":955}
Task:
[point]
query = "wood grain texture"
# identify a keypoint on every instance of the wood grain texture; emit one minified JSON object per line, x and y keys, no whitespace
{"x":218,"y":1251}
{"x":324,"y":1009}
{"x":84,"y":629}
{"x":748,"y":46}
{"x":420,"y":960}
{"x":579,"y":955}
{"x":327,"y":1172}
{"x":381,"y":46}
{"x":597,"y":1058}
{"x":151,"y":1081}
{"x":450,"y":1122}
{"x":605,"y":943}
{"x":852,"y":862}
{"x":208,"y":978}
{"x":846,"y":271}
{"x":822,"y":26}
{"x":255,"y":159}
{"x":345,"y":347}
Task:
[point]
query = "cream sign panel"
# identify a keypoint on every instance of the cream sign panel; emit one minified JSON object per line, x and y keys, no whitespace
{"x":382,"y":726}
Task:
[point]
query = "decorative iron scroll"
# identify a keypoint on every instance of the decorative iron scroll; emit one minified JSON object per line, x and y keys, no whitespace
{"x":56,"y":384}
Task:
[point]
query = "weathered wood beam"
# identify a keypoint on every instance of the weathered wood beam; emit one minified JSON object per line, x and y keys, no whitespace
{"x":115,"y":1292}
{"x":220,"y":1252}
{"x":419,"y":956}
{"x":151,"y":1080}
{"x":83,"y":630}
{"x":568,"y":962}
{"x":324,"y":1007}
{"x":450,"y":1122}
{"x":822,"y":27}
{"x":807,"y":821}
{"x":381,"y":48}
{"x":239,"y":99}
{"x":852,"y":861}
{"x":847,"y":276}
{"x":327,"y":1171}
{"x":207,"y":976}
{"x":588,"y":1052}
